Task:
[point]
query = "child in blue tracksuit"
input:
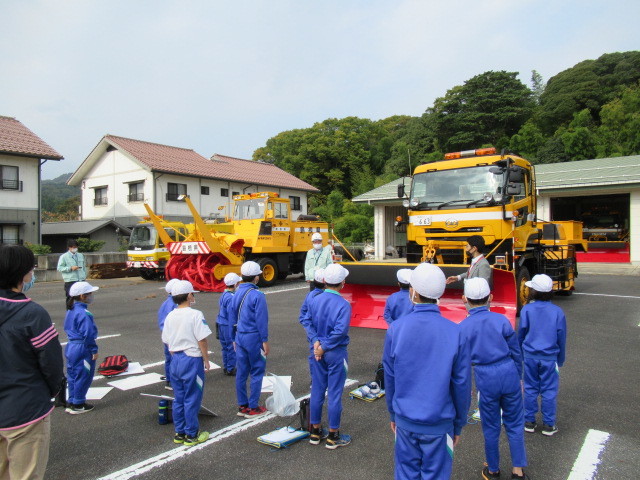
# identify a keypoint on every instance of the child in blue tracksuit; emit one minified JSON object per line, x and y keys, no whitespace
{"x":399,"y":304}
{"x":304,"y":317}
{"x":82,"y":350}
{"x":248,"y":311}
{"x":185,"y":333}
{"x":543,"y":336}
{"x":225,"y":331}
{"x":167,"y":306}
{"x":327,"y":326}
{"x":427,"y":381}
{"x":497,"y":361}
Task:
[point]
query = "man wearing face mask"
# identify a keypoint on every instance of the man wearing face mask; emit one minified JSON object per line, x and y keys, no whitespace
{"x":480,"y":267}
{"x":31,"y":373}
{"x":72,"y":266}
{"x":318,"y":257}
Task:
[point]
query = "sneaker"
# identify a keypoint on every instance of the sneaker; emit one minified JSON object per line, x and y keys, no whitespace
{"x":199,"y":438}
{"x":255,"y":412}
{"x":179,"y":438}
{"x":163,"y":378}
{"x":317,"y":435}
{"x":549,"y":430}
{"x":243,"y":410}
{"x":530,"y":427}
{"x":69,"y":407}
{"x":335,"y":440}
{"x":168,"y":386}
{"x":524,"y":476}
{"x":231,"y":373}
{"x":78,"y":409}
{"x":487,"y":475}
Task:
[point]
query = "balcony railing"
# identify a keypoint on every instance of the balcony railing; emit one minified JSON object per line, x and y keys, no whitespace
{"x":100,"y":201}
{"x":173,"y":197}
{"x":135,"y":197}
{"x":11,"y":185}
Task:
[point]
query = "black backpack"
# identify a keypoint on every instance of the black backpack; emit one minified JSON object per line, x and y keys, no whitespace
{"x":305,"y":415}
{"x":113,"y":365}
{"x":380,"y":376}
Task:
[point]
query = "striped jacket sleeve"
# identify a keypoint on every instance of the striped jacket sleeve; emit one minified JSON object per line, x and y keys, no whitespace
{"x":44,"y":341}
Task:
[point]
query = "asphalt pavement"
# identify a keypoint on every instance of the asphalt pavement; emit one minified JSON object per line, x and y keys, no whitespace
{"x":122,"y":439}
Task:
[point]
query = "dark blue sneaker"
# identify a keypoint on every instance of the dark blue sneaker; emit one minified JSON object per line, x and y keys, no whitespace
{"x":549,"y":430}
{"x":335,"y":440}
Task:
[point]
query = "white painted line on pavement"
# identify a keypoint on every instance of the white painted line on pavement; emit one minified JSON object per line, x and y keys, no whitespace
{"x":606,"y":295}
{"x":585,"y":466}
{"x":179,"y":452}
{"x":99,"y":338}
{"x":286,"y":290}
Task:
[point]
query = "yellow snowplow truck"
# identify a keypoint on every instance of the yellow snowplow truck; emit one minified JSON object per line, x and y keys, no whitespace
{"x":260,"y":229}
{"x":479,"y":192}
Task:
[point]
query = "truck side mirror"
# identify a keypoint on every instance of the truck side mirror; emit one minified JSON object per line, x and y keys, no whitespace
{"x":514,"y":189}
{"x":401,"y":190}
{"x":516,"y":175}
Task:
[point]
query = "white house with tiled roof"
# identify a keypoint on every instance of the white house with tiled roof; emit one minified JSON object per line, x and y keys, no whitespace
{"x":22,"y":154}
{"x":121,"y":174}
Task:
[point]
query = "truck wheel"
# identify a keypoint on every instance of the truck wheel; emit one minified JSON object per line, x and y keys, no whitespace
{"x":522,"y":291}
{"x":269,"y":272}
{"x":147,"y":274}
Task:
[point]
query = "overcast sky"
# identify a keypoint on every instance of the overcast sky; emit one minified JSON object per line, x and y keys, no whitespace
{"x":224,"y":77}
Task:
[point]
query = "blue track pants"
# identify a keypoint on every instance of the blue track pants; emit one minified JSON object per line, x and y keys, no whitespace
{"x":80,"y":371}
{"x":167,"y":363}
{"x":187,"y":380}
{"x":329,"y":373}
{"x":420,"y":456}
{"x":249,"y":361}
{"x":499,"y":387}
{"x":541,"y":378}
{"x":226,"y":344}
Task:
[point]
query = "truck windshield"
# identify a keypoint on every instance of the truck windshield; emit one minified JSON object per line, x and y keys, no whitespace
{"x":454,"y":187}
{"x":249,"y":209}
{"x":143,"y":237}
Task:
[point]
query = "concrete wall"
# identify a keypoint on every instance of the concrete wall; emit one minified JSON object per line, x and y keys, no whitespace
{"x":48,"y":264}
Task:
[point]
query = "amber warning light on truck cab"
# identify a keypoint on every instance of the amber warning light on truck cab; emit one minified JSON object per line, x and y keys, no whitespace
{"x":470,"y":153}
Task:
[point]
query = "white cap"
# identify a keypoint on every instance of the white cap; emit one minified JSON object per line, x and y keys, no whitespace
{"x":318,"y":275}
{"x":316,"y":236}
{"x":250,"y":269}
{"x":181,"y":287}
{"x":404,"y":275}
{"x":335,"y":274}
{"x":428,"y":280}
{"x":81,"y":288}
{"x":169,"y":285}
{"x":230,"y":279}
{"x":540,"y":283}
{"x":476,"y":288}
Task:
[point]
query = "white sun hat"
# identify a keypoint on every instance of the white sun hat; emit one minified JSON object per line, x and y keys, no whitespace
{"x":476,"y":288}
{"x":428,"y":280}
{"x":169,"y":285}
{"x":182,"y":287}
{"x":404,"y":275}
{"x":230,"y":279}
{"x":318,"y":275}
{"x":81,"y":288}
{"x":540,"y":283}
{"x":335,"y":274}
{"x":250,"y":269}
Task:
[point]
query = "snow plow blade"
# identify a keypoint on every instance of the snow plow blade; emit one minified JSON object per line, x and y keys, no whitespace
{"x":369,"y":285}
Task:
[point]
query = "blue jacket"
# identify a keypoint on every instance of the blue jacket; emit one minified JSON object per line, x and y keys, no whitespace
{"x":305,"y":317}
{"x":398,"y":304}
{"x":164,"y":310}
{"x":254,"y":315}
{"x":491,"y":338}
{"x":330,"y":316}
{"x":223,"y":303}
{"x":543,"y":331}
{"x":427,"y":372}
{"x":80,"y":327}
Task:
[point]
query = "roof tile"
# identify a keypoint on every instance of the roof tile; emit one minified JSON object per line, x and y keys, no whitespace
{"x":18,"y":139}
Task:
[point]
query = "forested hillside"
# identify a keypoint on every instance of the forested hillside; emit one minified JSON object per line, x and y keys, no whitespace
{"x":59,"y":201}
{"x":591,"y":110}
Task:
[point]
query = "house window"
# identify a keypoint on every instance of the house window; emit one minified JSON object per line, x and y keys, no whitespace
{"x":9,"y":178}
{"x":100,"y":196}
{"x":136,"y":192}
{"x":204,"y":190}
{"x":174,"y":190}
{"x":233,"y":194}
{"x":224,"y":192}
{"x":10,"y":234}
{"x":295,"y":203}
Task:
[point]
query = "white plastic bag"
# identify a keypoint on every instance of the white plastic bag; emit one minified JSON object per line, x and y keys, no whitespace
{"x":282,"y":402}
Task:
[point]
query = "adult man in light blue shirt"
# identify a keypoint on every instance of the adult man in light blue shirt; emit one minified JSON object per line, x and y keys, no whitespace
{"x":72,"y":266}
{"x":317,"y":258}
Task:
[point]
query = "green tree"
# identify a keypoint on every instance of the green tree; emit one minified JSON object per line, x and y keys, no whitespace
{"x":488,"y":109}
{"x":527,"y":141}
{"x":579,"y":138}
{"x":619,"y":132}
{"x":88,"y":245}
{"x":537,"y":86}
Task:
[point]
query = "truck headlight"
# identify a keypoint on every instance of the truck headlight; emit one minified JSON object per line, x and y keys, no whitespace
{"x":149,"y":259}
{"x":414,"y":202}
{"x":405,"y":203}
{"x":130,"y":258}
{"x":487,"y":197}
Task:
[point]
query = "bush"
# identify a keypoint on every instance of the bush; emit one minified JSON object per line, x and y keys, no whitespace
{"x":88,"y":245}
{"x":38,"y":249}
